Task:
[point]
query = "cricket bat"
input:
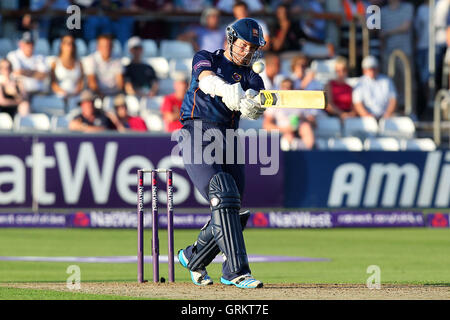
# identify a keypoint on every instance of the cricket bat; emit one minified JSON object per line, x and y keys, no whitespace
{"x":302,"y":99}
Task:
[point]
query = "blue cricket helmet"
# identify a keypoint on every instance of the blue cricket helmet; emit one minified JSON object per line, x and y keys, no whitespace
{"x":246,"y":29}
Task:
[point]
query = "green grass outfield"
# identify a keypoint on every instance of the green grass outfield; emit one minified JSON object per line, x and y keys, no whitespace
{"x":405,"y":256}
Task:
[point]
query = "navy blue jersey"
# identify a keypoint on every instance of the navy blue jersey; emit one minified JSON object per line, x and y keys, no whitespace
{"x":198,"y":105}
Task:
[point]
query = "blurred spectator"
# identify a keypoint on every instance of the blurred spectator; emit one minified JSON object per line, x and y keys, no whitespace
{"x":314,"y":29}
{"x":192,"y":5}
{"x":271,"y":75}
{"x":421,"y":25}
{"x":121,"y":26}
{"x":13,"y":98}
{"x":128,"y":122}
{"x":240,"y":11}
{"x":295,"y":125}
{"x":171,"y":105}
{"x":286,"y":35}
{"x":254,"y":6}
{"x":154,"y":29}
{"x":374,"y":95}
{"x":104,"y":73}
{"x":140,"y":78}
{"x":440,"y":21}
{"x":31,"y":68}
{"x":447,"y":55}
{"x":396,"y":29}
{"x":209,"y":36}
{"x":49,"y":27}
{"x":303,"y":77}
{"x":339,"y":93}
{"x":67,"y":78}
{"x":32,"y":25}
{"x":91,"y":119}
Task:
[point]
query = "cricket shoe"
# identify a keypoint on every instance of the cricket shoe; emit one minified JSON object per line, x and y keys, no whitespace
{"x":199,"y":277}
{"x":245,"y":281}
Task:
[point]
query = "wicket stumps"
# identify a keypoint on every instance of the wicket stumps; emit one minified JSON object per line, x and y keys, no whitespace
{"x":140,"y":223}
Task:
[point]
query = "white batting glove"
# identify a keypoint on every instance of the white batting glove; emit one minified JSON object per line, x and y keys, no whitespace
{"x":250,"y":109}
{"x":231,"y":95}
{"x":250,"y":93}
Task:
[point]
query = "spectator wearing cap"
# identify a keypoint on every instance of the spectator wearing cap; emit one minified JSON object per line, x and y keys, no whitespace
{"x":104,"y":73}
{"x":374,"y":95}
{"x":128,"y":122}
{"x":30,"y":68}
{"x":13,"y":98}
{"x":91,"y":119}
{"x":67,"y":76}
{"x":339,"y":93}
{"x":208,"y":36}
{"x":140,"y":78}
{"x":171,"y":105}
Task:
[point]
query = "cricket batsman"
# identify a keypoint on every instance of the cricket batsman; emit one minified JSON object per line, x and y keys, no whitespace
{"x":222,"y":89}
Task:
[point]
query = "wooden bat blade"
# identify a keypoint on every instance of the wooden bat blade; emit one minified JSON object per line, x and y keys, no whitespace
{"x":302,"y":99}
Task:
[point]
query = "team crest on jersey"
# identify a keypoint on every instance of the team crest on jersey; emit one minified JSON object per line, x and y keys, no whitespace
{"x":237,"y":77}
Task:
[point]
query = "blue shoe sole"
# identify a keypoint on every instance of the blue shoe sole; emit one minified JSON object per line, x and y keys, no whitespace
{"x":184,"y":263}
{"x":245,"y":286}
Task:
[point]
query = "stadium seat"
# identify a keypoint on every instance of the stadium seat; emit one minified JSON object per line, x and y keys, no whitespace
{"x":154,"y":122}
{"x":286,"y":66}
{"x":180,"y":65}
{"x":151,"y":103}
{"x":165,"y":86}
{"x":42,"y":47}
{"x":160,"y":65}
{"x":381,"y":144}
{"x":360,"y":127}
{"x":51,"y":104}
{"x":59,"y":123}
{"x":422,"y":144}
{"x":399,"y":127}
{"x":116,"y":50}
{"x":72,"y":103}
{"x":324,"y":70}
{"x":345,"y":144}
{"x":82,"y":49}
{"x":33,"y":121}
{"x":6,"y":122}
{"x":55,"y":47}
{"x":314,"y":50}
{"x":328,"y":127}
{"x":175,"y":49}
{"x":6,"y":46}
{"x":107,"y":104}
{"x":149,"y":47}
{"x":321,"y":144}
{"x":133,"y":105}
